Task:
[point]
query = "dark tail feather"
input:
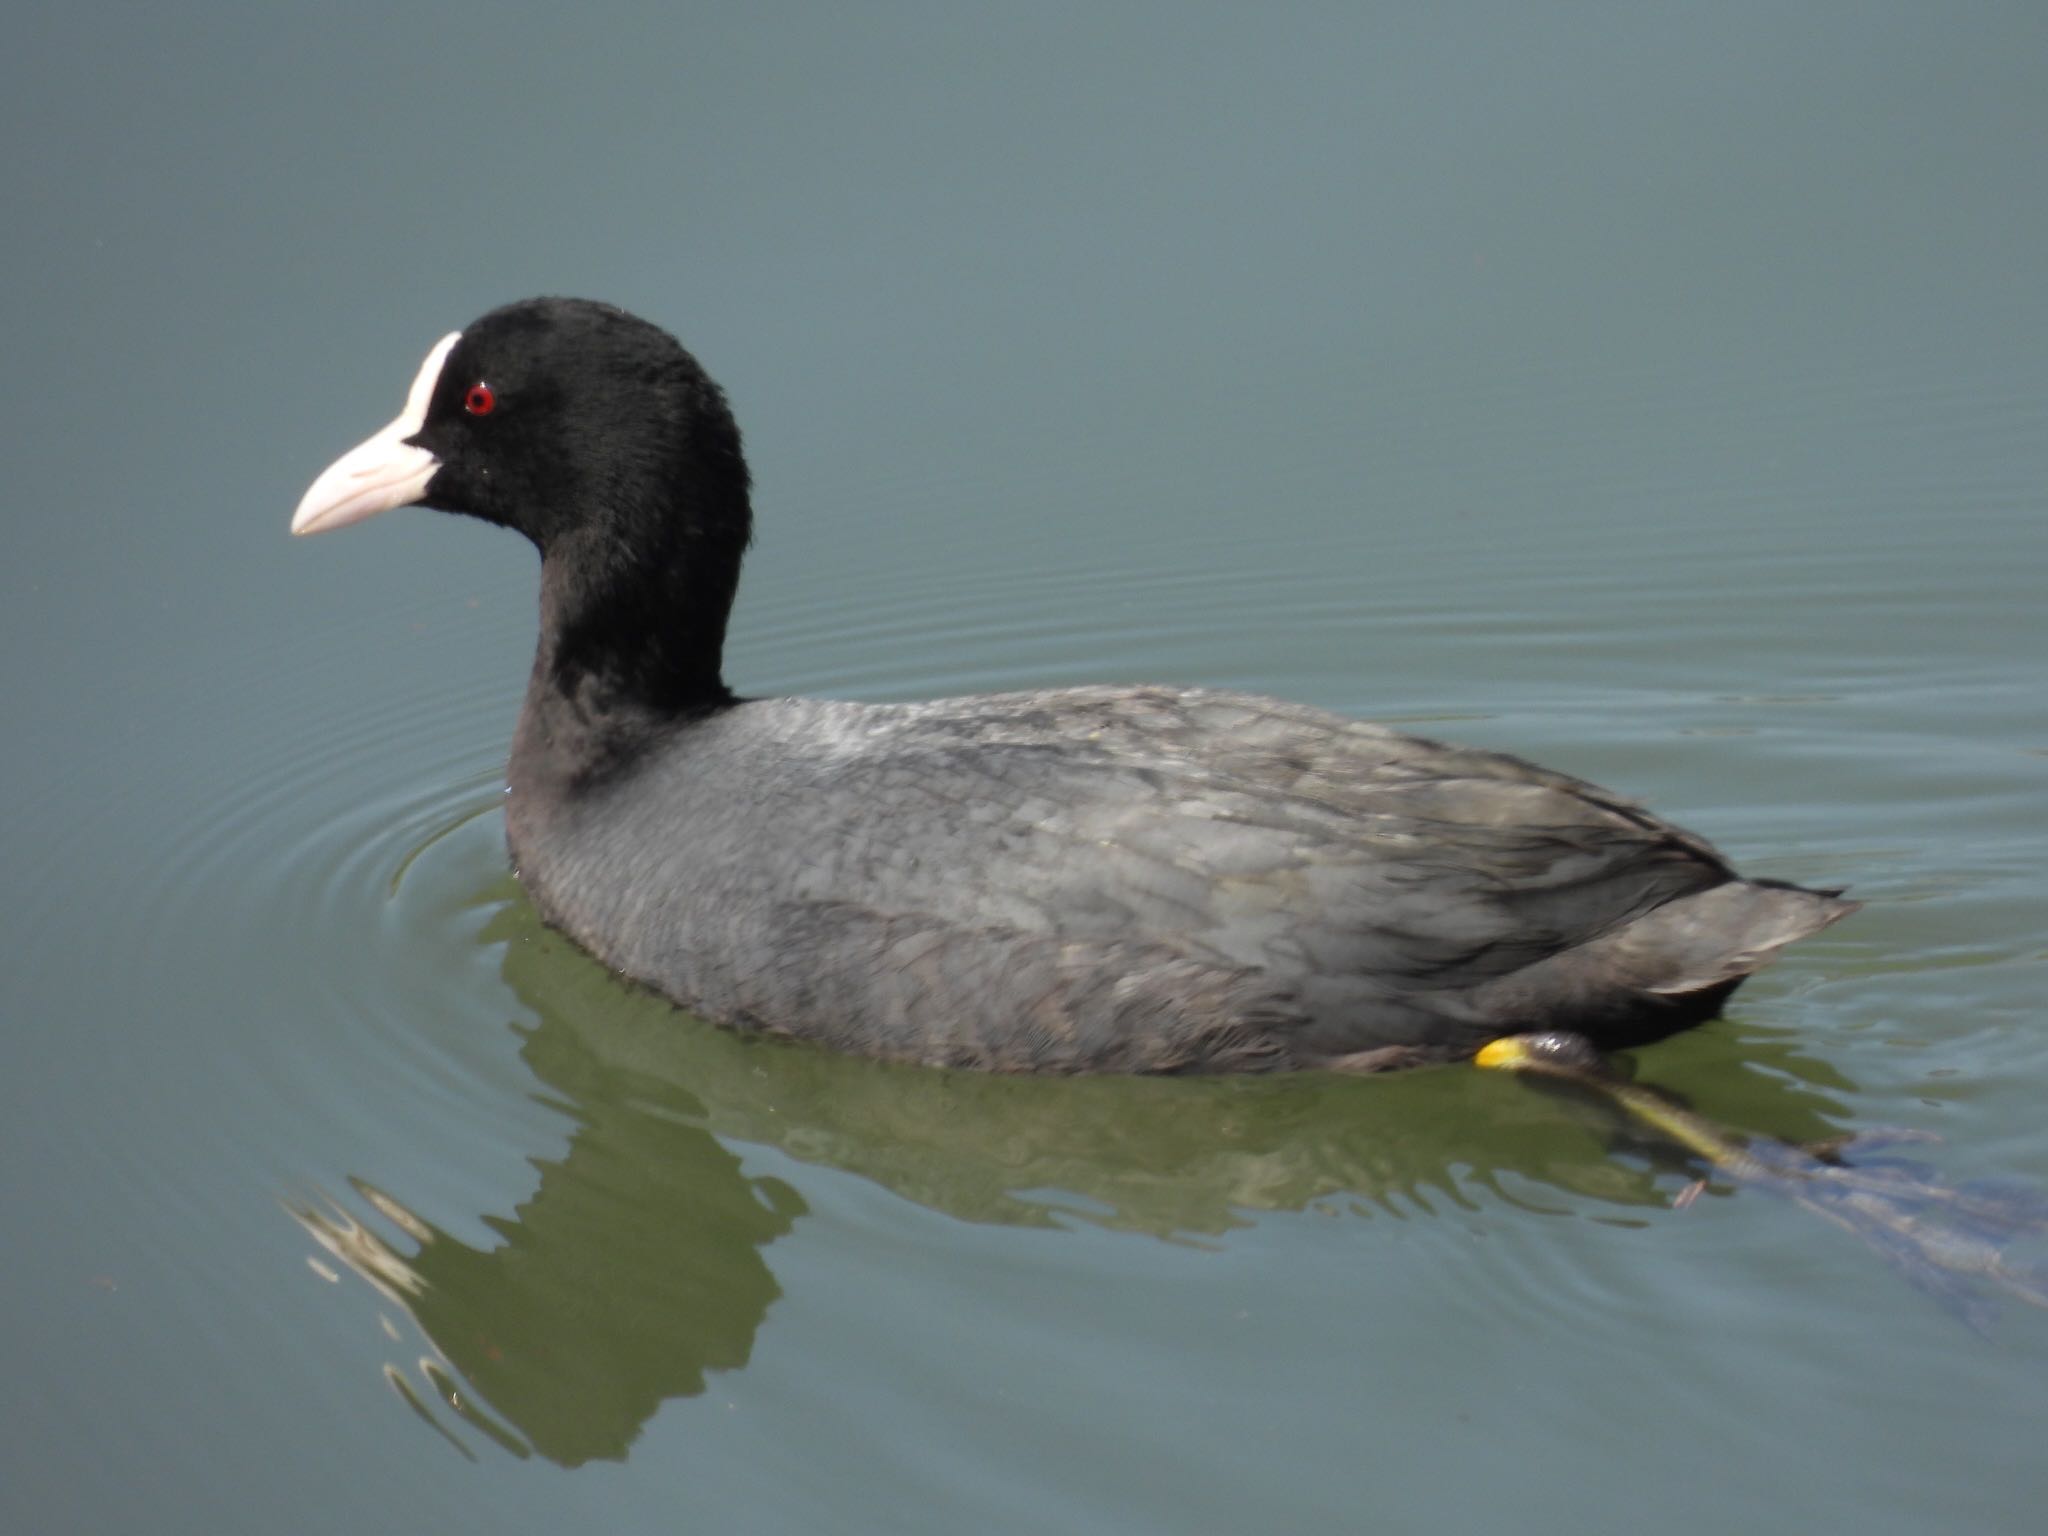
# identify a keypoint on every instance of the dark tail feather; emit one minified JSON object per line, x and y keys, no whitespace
{"x":1666,"y":970}
{"x":1719,"y":936}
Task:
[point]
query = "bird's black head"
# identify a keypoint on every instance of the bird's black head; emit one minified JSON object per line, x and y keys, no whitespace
{"x":552,"y":416}
{"x":597,"y":436}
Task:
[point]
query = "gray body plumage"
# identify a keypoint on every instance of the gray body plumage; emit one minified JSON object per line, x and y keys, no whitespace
{"x":1142,"y":879}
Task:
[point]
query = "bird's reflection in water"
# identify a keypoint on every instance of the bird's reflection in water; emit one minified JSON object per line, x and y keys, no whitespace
{"x":638,"y":1264}
{"x":632,"y":1270}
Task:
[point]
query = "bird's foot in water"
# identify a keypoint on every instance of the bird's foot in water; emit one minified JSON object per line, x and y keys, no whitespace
{"x":1833,"y":1150}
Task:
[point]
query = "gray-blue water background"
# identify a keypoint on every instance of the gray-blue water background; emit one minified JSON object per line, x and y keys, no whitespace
{"x":1654,"y":391}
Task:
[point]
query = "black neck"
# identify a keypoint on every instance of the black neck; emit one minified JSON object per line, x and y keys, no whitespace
{"x":637,"y":577}
{"x":640,"y":630}
{"x":628,"y":648}
{"x":637,"y":629}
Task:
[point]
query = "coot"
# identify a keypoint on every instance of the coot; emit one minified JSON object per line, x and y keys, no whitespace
{"x":1140,"y":879}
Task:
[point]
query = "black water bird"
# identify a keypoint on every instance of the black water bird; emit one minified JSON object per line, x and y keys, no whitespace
{"x":1142,"y":879}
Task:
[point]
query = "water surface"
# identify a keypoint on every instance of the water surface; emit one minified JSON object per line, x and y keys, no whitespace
{"x":1657,"y":396}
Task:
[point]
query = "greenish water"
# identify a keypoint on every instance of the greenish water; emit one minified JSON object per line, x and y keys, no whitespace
{"x":1657,"y":395}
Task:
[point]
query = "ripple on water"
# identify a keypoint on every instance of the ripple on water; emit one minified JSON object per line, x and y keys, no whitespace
{"x":374,"y":829}
{"x":319,"y":893}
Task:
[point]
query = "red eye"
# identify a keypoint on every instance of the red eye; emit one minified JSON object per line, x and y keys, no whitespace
{"x":481,"y":400}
